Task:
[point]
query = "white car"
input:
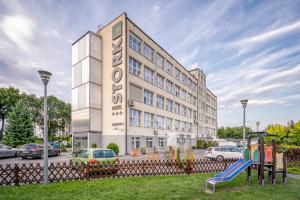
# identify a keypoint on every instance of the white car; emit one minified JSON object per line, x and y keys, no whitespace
{"x":223,"y":152}
{"x":7,"y":151}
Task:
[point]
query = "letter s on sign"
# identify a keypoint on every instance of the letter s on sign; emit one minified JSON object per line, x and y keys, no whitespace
{"x":117,"y":98}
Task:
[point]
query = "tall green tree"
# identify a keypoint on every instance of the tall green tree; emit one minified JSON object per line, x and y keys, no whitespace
{"x":19,"y":129}
{"x":8,"y":99}
{"x":232,"y":132}
{"x":59,"y":114}
{"x":294,"y":134}
{"x":35,"y":106}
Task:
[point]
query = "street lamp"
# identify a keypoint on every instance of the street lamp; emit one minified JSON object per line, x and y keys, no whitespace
{"x":257,"y":125}
{"x":45,"y":76}
{"x":244,"y":104}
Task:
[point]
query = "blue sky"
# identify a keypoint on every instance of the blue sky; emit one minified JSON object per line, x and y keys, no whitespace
{"x":248,"y":49}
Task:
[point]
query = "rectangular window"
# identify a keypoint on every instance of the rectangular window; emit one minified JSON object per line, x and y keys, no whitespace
{"x":189,"y":127}
{"x":149,"y":142}
{"x":169,"y":86}
{"x":161,"y":142}
{"x":160,"y":122}
{"x":177,"y":90}
{"x":148,"y":52}
{"x":160,"y":61}
{"x":168,"y":123}
{"x":183,"y":94}
{"x":134,"y":67}
{"x":183,"y":78}
{"x":177,"y":108}
{"x":189,"y":97}
{"x":148,"y":75}
{"x":148,"y":120}
{"x":168,"y":67}
{"x":177,"y":125}
{"x":183,"y":110}
{"x":183,"y":126}
{"x":177,"y":74}
{"x":189,"y":112}
{"x":160,"y":102}
{"x":160,"y":81}
{"x":134,"y":117}
{"x":148,"y":98}
{"x":135,"y":43}
{"x":169,"y":105}
{"x":135,"y":142}
{"x":188,"y":82}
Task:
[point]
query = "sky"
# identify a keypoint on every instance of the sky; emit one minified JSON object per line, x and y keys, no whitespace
{"x":247,"y":49}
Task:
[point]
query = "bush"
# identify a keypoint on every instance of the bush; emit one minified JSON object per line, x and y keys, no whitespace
{"x":178,"y":155}
{"x":63,"y":149}
{"x":200,"y":144}
{"x":294,"y":154}
{"x":94,"y":145}
{"x":144,"y":150}
{"x":113,"y":147}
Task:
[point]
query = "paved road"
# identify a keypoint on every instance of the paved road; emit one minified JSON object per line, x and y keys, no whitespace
{"x":66,"y":157}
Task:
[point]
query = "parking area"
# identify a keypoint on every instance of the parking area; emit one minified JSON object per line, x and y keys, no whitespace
{"x":66,"y":157}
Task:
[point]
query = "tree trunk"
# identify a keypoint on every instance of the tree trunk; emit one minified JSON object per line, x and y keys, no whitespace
{"x":2,"y":128}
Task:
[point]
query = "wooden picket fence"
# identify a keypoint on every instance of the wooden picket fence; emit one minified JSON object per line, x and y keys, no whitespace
{"x":58,"y":172}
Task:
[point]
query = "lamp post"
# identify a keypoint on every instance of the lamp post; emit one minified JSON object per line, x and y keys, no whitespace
{"x":244,"y":104}
{"x":257,"y":125}
{"x":45,"y":76}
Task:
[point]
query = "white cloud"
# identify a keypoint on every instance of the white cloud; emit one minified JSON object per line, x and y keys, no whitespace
{"x":259,"y":102}
{"x":272,"y":34}
{"x":20,"y":29}
{"x":244,"y":45}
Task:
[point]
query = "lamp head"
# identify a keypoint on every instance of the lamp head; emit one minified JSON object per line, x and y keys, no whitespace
{"x":244,"y":102}
{"x":45,"y":76}
{"x":257,"y":123}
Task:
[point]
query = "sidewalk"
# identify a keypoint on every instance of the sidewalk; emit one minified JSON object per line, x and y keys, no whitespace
{"x":294,"y":176}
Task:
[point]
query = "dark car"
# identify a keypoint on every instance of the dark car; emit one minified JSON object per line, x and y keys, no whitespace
{"x":37,"y":151}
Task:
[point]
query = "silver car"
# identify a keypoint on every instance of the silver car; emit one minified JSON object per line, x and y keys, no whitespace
{"x":7,"y":151}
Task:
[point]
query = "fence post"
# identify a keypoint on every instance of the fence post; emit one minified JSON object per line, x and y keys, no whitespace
{"x":225,"y":164}
{"x":16,"y":170}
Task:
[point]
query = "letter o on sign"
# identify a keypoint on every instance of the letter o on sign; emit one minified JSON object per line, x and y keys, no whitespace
{"x":117,"y":74}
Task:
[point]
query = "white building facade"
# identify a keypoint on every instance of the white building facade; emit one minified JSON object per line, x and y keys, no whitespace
{"x":128,"y":90}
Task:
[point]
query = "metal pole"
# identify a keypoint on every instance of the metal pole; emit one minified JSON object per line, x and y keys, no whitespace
{"x":45,"y":137}
{"x":244,"y":132}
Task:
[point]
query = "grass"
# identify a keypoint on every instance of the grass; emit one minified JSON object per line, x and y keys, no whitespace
{"x":294,"y":170}
{"x":163,"y":187}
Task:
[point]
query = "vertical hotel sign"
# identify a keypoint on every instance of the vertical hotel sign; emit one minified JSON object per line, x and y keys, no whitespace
{"x":117,"y":72}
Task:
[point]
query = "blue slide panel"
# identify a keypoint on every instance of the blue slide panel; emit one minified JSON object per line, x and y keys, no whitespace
{"x":238,"y":171}
{"x":229,"y":169}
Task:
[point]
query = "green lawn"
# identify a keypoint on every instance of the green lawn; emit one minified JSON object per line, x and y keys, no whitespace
{"x":294,"y":170}
{"x":164,"y":187}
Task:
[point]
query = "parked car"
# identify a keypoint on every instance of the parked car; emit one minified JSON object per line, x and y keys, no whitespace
{"x":96,"y":157}
{"x":223,"y":152}
{"x":37,"y":151}
{"x":8,"y":152}
{"x":55,"y":145}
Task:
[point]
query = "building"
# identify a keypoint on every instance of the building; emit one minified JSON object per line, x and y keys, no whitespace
{"x":128,"y":90}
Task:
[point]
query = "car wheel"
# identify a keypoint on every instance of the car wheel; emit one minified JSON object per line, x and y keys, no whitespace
{"x":23,"y":157}
{"x":220,"y":158}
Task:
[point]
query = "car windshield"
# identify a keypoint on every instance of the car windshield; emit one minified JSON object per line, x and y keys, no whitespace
{"x":103,"y":154}
{"x":29,"y":146}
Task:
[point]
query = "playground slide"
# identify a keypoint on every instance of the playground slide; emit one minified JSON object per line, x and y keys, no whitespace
{"x":230,"y":173}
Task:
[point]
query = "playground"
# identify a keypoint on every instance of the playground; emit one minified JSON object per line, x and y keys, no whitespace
{"x":261,"y":157}
{"x":162,"y":187}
